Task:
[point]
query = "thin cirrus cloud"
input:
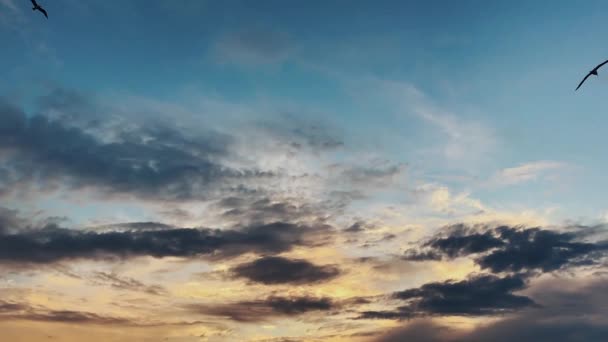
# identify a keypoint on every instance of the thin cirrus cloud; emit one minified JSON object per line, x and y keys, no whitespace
{"x":9,"y":4}
{"x":126,"y":283}
{"x":26,"y":312}
{"x":527,"y":172}
{"x":250,"y":47}
{"x":465,"y":141}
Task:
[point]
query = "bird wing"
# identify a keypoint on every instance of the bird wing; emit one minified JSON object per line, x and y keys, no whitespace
{"x":599,"y":66}
{"x":583,"y":81}
{"x":34,"y":3}
{"x":44,"y":12}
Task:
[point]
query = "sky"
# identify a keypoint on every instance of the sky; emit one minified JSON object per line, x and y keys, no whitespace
{"x":281,"y":171}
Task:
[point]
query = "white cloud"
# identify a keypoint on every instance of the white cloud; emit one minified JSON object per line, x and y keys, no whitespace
{"x":441,"y":199}
{"x":464,"y":141}
{"x":10,"y":4}
{"x":253,"y":47}
{"x":10,"y":14}
{"x":528,"y":172}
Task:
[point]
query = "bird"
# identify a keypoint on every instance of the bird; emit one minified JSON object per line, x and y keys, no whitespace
{"x":592,"y":72}
{"x":39,"y":8}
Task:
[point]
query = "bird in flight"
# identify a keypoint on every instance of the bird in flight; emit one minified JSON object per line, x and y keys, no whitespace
{"x":592,"y":72}
{"x":39,"y":8}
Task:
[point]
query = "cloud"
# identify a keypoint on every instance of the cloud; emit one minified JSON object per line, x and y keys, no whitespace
{"x":373,"y":174}
{"x":465,"y":139}
{"x":262,"y":209}
{"x":253,"y":46}
{"x":478,"y":295}
{"x":455,"y":246}
{"x":358,"y":227}
{"x":11,"y":15}
{"x":570,"y":310}
{"x":299,"y":134}
{"x":19,"y":311}
{"x":9,"y":4}
{"x":440,"y":199}
{"x":125,"y":283}
{"x":418,"y":331}
{"x":525,"y":172}
{"x":150,"y":161}
{"x":261,"y":310}
{"x":414,"y":255}
{"x":52,"y":243}
{"x":280,"y":270}
{"x":510,"y":249}
{"x":150,"y":225}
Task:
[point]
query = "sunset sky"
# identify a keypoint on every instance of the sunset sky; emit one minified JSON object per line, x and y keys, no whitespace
{"x":373,"y":171}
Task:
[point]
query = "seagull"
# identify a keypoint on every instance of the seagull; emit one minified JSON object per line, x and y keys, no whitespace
{"x":592,"y":72}
{"x":39,"y":8}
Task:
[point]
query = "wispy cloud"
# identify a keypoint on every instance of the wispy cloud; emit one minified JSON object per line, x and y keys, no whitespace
{"x":528,"y":172}
{"x":10,"y":4}
{"x":262,"y":310}
{"x":464,"y":139}
{"x":253,"y":46}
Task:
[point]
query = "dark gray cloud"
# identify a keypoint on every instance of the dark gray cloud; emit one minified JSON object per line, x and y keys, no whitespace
{"x":279,"y":270}
{"x":9,"y":219}
{"x":415,"y":255}
{"x":455,"y":246}
{"x":380,"y":175}
{"x":20,"y":311}
{"x":567,"y":314}
{"x":359,"y":227}
{"x":150,"y":225}
{"x":66,"y":316}
{"x":297,"y":134}
{"x":476,"y":296}
{"x":52,"y":243}
{"x":417,"y":331}
{"x":150,"y":160}
{"x":261,"y":310}
{"x":512,"y":249}
{"x":260,"y":209}
{"x":126,"y":283}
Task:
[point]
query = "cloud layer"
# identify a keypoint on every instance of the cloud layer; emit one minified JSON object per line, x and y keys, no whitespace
{"x":477,"y":296}
{"x":279,"y":270}
{"x":51,"y":244}
{"x":511,"y":249}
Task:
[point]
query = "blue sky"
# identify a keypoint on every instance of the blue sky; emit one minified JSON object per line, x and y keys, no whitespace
{"x":509,"y":65}
{"x":408,"y":115}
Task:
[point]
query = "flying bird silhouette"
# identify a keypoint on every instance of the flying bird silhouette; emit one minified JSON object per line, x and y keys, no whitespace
{"x":592,"y":72}
{"x":39,"y":8}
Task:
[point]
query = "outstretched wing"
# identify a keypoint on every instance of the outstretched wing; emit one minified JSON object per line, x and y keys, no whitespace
{"x":583,"y":81}
{"x":44,"y":12}
{"x":599,"y":66}
{"x":34,"y":3}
